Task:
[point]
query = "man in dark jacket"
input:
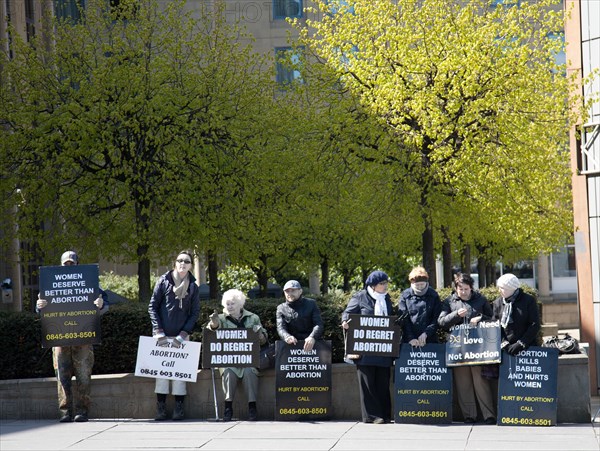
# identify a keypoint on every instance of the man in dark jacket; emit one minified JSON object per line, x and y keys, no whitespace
{"x":298,"y":318}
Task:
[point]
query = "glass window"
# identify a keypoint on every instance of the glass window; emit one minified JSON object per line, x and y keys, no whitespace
{"x":68,"y":9}
{"x":563,"y":262}
{"x":29,"y":20}
{"x":287,"y":8}
{"x":287,"y":65}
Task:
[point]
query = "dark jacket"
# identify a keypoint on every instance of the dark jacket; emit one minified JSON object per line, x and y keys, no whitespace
{"x":301,"y":319}
{"x":476,"y":306}
{"x":168,"y":313}
{"x":525,"y":323}
{"x":423,"y":313}
{"x":362,"y":303}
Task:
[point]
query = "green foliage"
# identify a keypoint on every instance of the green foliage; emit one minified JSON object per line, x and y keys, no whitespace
{"x":126,"y":286}
{"x":237,"y":276}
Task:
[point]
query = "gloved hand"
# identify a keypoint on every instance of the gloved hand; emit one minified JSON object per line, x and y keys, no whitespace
{"x":41,"y":303}
{"x":423,"y":339}
{"x":214,"y":320}
{"x":179,"y":339}
{"x":161,"y":338}
{"x":515,"y":348}
{"x":99,"y":302}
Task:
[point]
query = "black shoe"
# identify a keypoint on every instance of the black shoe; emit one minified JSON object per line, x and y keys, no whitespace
{"x":161,"y":411}
{"x":469,"y":420}
{"x":65,"y":419}
{"x":490,"y":420}
{"x":252,"y":414}
{"x":178,"y":412}
{"x":228,"y":414}
{"x":81,"y":418}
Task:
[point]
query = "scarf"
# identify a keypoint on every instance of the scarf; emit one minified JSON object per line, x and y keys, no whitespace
{"x":419,"y":292}
{"x":181,"y":286}
{"x":507,"y":310}
{"x":380,"y":304}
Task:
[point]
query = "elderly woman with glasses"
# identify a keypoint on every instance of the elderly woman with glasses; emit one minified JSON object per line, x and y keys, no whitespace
{"x":174,"y":309}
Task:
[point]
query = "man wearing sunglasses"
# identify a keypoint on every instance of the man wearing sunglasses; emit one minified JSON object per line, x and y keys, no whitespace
{"x":174,"y":309}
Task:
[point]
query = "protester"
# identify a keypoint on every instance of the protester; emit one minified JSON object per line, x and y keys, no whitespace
{"x":174,"y":309}
{"x":75,"y":361}
{"x":423,"y":305}
{"x":518,"y":314}
{"x":298,"y":318}
{"x":373,"y":371}
{"x":234,"y":316}
{"x":466,"y":306}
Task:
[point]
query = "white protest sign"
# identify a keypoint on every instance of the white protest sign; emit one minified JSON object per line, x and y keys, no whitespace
{"x":167,"y":362}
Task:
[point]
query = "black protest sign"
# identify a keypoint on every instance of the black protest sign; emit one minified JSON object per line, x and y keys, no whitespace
{"x":70,"y":318}
{"x":528,"y":387}
{"x":303,"y":381}
{"x":470,"y":344}
{"x":373,"y":335}
{"x":423,"y":386}
{"x":230,"y":347}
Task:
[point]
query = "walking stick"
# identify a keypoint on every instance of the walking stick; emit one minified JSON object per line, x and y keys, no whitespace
{"x":212,"y":372}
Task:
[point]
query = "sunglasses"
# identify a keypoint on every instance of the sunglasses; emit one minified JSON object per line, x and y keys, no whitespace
{"x":187,"y":262}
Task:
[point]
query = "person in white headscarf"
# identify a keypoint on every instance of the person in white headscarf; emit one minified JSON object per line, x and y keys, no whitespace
{"x":174,"y":309}
{"x":373,"y":371}
{"x":235,"y":316}
{"x":518,"y":314}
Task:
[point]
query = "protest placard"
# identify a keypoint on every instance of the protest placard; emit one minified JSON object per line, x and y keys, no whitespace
{"x":167,"y":362}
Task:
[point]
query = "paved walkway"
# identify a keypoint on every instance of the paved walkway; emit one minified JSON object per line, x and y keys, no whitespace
{"x":289,"y":436}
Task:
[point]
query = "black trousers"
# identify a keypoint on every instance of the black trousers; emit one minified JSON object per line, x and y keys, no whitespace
{"x":374,"y":386}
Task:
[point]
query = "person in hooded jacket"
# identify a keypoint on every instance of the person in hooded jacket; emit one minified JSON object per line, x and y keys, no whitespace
{"x":466,"y":306}
{"x":235,"y":316}
{"x":423,"y":305}
{"x":373,"y":371}
{"x":174,"y":309}
{"x":518,"y":314}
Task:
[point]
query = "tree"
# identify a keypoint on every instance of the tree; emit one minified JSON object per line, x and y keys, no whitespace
{"x":477,"y":101}
{"x":119,"y":128}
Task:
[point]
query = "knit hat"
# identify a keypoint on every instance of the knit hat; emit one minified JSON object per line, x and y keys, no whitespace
{"x":508,"y":281}
{"x":376,"y":277}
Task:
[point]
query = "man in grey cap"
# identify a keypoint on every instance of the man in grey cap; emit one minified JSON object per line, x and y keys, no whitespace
{"x":75,"y":361}
{"x":298,"y":318}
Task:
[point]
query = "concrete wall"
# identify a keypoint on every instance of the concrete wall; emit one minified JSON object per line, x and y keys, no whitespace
{"x":120,"y":396}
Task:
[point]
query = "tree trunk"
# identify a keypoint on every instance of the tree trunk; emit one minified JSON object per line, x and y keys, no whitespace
{"x":428,"y":253}
{"x":481,"y":271}
{"x":263,"y":276}
{"x":447,"y":259}
{"x":213,"y":278}
{"x":325,"y":275}
{"x":347,"y":276}
{"x":144,"y":289}
{"x":466,"y":259}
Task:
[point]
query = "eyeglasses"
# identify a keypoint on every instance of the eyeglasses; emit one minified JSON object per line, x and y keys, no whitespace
{"x":187,"y":262}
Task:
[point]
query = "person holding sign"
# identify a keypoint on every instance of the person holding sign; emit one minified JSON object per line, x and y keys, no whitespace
{"x":174,"y":309}
{"x":466,"y":306}
{"x":518,"y":314}
{"x":423,"y":306}
{"x":75,"y":361}
{"x":234,"y":316}
{"x":373,"y":371}
{"x":298,"y":318}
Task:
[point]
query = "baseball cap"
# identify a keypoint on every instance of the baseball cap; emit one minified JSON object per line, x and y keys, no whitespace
{"x":69,"y":256}
{"x":292,"y":284}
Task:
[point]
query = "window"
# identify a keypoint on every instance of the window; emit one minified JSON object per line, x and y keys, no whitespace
{"x":29,"y":20}
{"x":287,"y":65}
{"x":69,"y":9}
{"x":560,"y":57}
{"x":563,"y":262}
{"x":287,"y":8}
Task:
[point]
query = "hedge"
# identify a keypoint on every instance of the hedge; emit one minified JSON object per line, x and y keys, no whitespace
{"x":23,"y":356}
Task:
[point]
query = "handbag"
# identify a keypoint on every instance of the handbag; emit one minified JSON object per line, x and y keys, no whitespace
{"x":565,"y":345}
{"x":267,"y":356}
